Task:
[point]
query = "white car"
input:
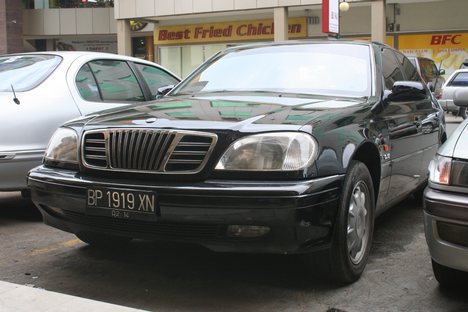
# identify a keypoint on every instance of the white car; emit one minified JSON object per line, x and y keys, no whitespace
{"x":446,"y":206}
{"x":40,"y":91}
{"x":458,"y":79}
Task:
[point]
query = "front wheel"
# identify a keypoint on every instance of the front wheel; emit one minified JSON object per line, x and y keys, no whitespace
{"x":354,"y":225}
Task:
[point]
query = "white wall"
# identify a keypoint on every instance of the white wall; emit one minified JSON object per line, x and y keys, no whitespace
{"x":40,"y":22}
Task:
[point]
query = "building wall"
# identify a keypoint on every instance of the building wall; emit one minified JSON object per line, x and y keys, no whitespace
{"x":416,"y":17}
{"x":77,"y":21}
{"x":11,"y":26}
{"x":419,"y":16}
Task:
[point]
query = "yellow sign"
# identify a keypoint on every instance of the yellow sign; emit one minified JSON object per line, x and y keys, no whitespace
{"x":389,"y":40}
{"x":446,"y":49}
{"x":433,"y":41}
{"x":226,"y":32}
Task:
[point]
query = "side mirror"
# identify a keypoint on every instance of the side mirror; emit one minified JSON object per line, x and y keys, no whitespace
{"x":460,"y":97}
{"x":441,"y":72}
{"x":162,"y":91}
{"x":407,"y":91}
{"x":402,"y":91}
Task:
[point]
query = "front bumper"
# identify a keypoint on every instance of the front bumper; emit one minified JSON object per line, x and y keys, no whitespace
{"x":446,"y":227}
{"x":300,"y":214}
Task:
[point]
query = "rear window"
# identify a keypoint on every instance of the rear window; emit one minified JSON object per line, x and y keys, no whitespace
{"x":25,"y":72}
{"x":460,"y":80}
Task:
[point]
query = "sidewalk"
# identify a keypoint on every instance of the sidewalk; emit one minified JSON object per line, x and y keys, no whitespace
{"x":19,"y":298}
{"x":449,"y":118}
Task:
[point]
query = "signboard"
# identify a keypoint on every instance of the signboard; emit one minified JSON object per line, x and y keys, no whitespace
{"x":226,"y":32}
{"x":330,"y":17}
{"x":389,"y":40}
{"x":446,"y":49}
{"x":95,"y":44}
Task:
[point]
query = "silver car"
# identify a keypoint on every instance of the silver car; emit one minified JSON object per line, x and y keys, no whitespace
{"x":458,"y":80}
{"x":40,"y":91}
{"x":446,"y":205}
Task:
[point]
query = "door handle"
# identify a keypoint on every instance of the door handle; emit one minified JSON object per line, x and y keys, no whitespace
{"x":7,"y":156}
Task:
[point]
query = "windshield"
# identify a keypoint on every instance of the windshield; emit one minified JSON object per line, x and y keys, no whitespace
{"x":324,"y":69}
{"x":24,"y":72}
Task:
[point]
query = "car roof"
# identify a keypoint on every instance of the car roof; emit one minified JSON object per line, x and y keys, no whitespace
{"x":73,"y":55}
{"x":301,"y":42}
{"x":70,"y":55}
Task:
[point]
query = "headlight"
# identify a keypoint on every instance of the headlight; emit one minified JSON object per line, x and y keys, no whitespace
{"x":276,"y":151}
{"x":439,"y":170}
{"x":62,"y":150}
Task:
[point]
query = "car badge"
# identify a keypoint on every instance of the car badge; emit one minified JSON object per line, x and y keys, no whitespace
{"x":151,"y":120}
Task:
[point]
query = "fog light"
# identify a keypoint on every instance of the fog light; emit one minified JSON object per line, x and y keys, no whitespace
{"x":247,"y":231}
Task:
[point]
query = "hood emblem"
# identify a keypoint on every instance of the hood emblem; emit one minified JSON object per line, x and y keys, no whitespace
{"x":151,"y":120}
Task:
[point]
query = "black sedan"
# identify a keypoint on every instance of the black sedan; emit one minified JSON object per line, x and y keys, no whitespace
{"x":283,"y":148}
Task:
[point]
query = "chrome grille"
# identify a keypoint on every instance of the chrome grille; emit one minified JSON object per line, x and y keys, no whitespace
{"x":147,"y":150}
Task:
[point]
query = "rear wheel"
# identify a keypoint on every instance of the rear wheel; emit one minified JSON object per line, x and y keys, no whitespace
{"x":102,"y":240}
{"x":463,"y":112}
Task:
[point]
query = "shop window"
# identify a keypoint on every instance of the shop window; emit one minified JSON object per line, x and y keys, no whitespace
{"x":139,"y":47}
{"x":155,"y":77}
{"x":183,"y":60}
{"x":116,"y":81}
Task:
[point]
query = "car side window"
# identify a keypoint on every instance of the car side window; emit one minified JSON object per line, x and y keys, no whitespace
{"x":460,"y":80}
{"x":391,"y":69}
{"x":428,"y":69}
{"x":408,"y":68}
{"x":155,"y":77}
{"x":87,"y":85}
{"x":116,"y":81}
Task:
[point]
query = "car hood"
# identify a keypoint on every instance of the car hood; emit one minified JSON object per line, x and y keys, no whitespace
{"x":236,"y":112}
{"x":457,"y":144}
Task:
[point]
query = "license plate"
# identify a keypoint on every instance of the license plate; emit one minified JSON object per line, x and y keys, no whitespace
{"x":122,"y":203}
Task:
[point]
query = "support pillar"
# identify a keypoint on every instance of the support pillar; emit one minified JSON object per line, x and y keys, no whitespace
{"x":124,"y":40}
{"x":378,"y":21}
{"x":149,"y":46}
{"x":281,"y":23}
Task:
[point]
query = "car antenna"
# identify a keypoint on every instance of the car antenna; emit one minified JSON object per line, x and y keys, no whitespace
{"x":15,"y":99}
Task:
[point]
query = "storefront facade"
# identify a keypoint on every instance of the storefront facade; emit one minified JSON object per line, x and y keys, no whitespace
{"x":181,"y":34}
{"x":187,"y":32}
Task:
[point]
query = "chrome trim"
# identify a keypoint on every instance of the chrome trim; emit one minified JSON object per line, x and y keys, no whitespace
{"x":127,"y":139}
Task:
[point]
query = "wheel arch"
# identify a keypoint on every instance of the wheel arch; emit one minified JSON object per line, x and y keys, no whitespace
{"x":368,"y":154}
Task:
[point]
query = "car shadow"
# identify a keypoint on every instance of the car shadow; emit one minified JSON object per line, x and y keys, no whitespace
{"x":13,"y":207}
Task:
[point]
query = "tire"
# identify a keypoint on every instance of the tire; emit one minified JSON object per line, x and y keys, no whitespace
{"x":448,"y":277}
{"x":463,"y":112}
{"x":419,"y":193}
{"x":354,"y":225}
{"x":103,"y":240}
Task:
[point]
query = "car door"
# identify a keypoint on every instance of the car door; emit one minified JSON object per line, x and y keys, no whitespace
{"x":404,"y":119}
{"x":34,"y":101}
{"x":429,"y":115}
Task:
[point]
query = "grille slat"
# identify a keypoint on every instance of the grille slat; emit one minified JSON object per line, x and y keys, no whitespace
{"x":96,"y":157}
{"x":147,"y":150}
